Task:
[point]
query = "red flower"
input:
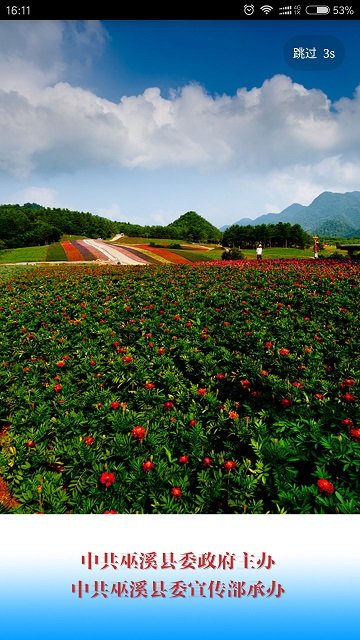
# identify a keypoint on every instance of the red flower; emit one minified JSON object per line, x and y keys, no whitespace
{"x":245,"y":383}
{"x":230,"y":464}
{"x":233,"y":415}
{"x":93,"y":363}
{"x":127,"y":359}
{"x":183,"y":459}
{"x":88,"y":440}
{"x":201,"y":392}
{"x":284,"y":351}
{"x":149,"y":385}
{"x":107,"y":478}
{"x":325,"y":486}
{"x":138,"y":432}
{"x":111,"y":511}
{"x":148,"y":465}
{"x":31,"y":444}
{"x":168,"y":405}
{"x":348,"y":382}
{"x":57,"y":388}
{"x":189,"y":324}
{"x":192,"y":423}
{"x":148,"y":335}
{"x":161,"y":351}
{"x":318,"y":396}
{"x":355,"y":433}
{"x":176,"y":492}
{"x":268,"y":344}
{"x":207,"y":462}
{"x":220,"y":376}
{"x":346,"y":422}
{"x":177,"y":317}
{"x":114,"y":405}
{"x":285,"y":402}
{"x":60,"y":364}
{"x":348,"y":397}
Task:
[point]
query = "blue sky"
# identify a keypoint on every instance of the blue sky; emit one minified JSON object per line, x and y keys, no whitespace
{"x":143,"y":120}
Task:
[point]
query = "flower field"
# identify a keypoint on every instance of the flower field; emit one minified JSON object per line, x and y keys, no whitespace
{"x":190,"y":388}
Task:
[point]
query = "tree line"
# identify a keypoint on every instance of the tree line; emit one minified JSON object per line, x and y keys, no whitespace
{"x":31,"y":224}
{"x":282,"y":234}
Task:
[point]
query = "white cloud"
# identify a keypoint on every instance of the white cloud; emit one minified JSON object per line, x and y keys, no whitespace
{"x":41,"y":195}
{"x":39,"y":54}
{"x":301,"y":183}
{"x":281,"y":124}
{"x":281,"y":142}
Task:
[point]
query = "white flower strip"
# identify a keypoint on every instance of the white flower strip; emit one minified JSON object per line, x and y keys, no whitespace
{"x":110,"y":253}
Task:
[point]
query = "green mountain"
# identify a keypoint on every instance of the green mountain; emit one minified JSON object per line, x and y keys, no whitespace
{"x":331,"y":214}
{"x":194,"y":228}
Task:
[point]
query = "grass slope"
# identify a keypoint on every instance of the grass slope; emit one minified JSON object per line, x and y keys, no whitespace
{"x":23,"y":254}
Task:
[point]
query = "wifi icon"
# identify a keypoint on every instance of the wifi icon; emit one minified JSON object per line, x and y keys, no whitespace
{"x":266,"y":8}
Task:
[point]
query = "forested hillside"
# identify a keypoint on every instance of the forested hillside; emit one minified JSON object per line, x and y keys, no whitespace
{"x":30,"y":224}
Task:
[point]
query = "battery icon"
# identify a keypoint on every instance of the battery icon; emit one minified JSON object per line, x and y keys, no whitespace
{"x":317,"y":10}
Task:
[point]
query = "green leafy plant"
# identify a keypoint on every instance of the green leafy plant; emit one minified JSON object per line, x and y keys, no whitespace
{"x":228,"y":387}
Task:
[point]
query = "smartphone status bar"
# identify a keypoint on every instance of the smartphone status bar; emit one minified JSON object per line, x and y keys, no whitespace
{"x":66,"y":10}
{"x":302,"y":11}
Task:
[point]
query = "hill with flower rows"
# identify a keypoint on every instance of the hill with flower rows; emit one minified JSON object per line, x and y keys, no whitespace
{"x":123,"y":252}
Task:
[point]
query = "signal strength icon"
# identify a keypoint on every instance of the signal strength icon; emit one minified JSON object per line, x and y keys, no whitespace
{"x":285,"y":11}
{"x":266,"y":8}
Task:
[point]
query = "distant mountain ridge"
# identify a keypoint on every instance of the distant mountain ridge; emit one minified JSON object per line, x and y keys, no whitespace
{"x":332,"y":214}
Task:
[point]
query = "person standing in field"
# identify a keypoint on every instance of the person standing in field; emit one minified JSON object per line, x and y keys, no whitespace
{"x":316,"y":247}
{"x":259,"y":252}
